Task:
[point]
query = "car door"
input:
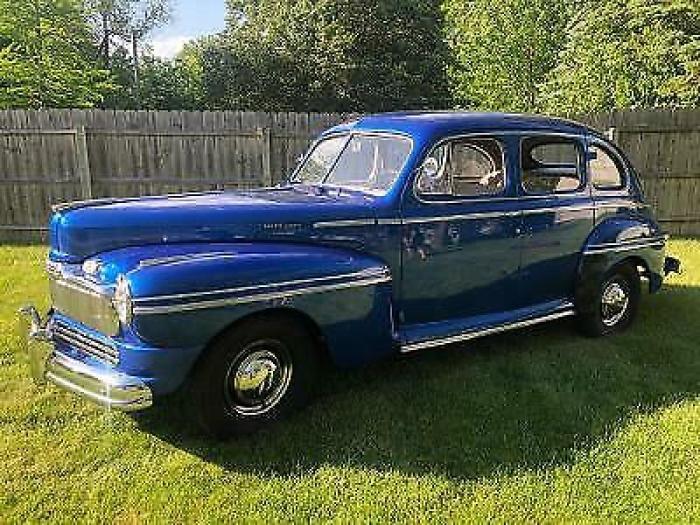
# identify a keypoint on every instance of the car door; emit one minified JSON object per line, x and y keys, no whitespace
{"x":557,"y":216}
{"x":460,"y":256}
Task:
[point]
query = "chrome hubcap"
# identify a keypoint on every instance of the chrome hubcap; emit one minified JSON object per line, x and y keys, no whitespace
{"x":258,"y":379}
{"x":614,"y":302}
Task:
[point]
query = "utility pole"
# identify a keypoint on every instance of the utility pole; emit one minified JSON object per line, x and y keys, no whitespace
{"x":137,"y":80}
{"x":107,"y":35}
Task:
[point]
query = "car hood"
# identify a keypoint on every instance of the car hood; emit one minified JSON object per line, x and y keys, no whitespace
{"x":81,"y":230}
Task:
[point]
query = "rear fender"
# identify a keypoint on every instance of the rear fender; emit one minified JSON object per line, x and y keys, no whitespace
{"x":638,"y":241}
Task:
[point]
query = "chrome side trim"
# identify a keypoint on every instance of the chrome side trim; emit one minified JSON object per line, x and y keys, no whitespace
{"x":463,"y":217}
{"x":384,"y":272}
{"x":175,"y":259}
{"x":474,"y":334}
{"x":621,"y":204}
{"x":530,"y":211}
{"x":482,"y":215}
{"x":259,"y":297}
{"x":637,"y":240}
{"x":624,"y":246}
{"x":390,"y":222}
{"x":346,"y":222}
{"x":498,"y":214}
{"x":554,"y":209}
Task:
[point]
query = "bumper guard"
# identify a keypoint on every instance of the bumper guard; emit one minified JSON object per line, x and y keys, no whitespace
{"x":106,"y":387}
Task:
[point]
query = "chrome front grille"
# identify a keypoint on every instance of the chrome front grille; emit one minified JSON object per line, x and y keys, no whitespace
{"x":92,"y":346}
{"x":83,"y":301}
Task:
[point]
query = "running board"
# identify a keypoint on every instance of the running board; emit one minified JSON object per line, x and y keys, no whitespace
{"x":474,"y":334}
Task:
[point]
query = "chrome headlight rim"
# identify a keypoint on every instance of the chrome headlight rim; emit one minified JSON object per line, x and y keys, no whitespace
{"x":122,"y":302}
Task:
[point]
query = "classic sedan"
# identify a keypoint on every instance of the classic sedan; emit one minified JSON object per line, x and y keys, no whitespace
{"x":396,"y":233}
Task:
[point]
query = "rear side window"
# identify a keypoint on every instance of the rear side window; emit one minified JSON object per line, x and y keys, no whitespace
{"x":605,"y":172}
{"x":551,"y":165}
{"x":463,"y":168}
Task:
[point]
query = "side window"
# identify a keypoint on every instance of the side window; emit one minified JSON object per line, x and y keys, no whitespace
{"x":550,"y":165}
{"x":605,"y":172}
{"x":463,"y":168}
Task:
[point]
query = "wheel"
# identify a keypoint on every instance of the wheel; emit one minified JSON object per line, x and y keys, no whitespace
{"x":253,"y":375}
{"x":615,"y":302}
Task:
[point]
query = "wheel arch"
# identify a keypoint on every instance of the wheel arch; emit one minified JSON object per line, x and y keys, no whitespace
{"x":273,"y":313}
{"x":593,"y":268}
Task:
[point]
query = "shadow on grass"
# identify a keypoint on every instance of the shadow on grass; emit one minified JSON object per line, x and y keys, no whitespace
{"x":526,"y":399}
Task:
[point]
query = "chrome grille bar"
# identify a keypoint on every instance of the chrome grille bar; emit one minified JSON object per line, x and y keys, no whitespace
{"x":94,"y":347}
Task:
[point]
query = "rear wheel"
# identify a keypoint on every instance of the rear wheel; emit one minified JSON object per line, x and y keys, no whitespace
{"x":615,"y":302}
{"x":254,"y":375}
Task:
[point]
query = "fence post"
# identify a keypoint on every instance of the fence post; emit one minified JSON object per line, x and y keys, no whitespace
{"x":265,"y":135}
{"x":82,"y":162}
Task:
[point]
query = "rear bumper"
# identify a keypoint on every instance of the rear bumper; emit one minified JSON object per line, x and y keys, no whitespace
{"x":100,"y":384}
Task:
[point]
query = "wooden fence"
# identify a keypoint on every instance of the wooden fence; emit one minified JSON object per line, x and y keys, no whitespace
{"x":664,"y":147}
{"x":55,"y":156}
{"x":61,"y":155}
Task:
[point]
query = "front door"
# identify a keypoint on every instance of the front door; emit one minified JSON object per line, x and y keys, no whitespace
{"x":460,"y":255}
{"x":557,"y":216}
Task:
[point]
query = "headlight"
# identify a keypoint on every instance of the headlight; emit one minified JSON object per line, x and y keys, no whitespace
{"x":122,"y":301}
{"x":91,"y":267}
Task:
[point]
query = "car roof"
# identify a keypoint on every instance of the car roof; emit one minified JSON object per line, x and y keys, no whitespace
{"x":434,"y":124}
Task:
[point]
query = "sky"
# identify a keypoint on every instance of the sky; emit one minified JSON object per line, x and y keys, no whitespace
{"x":191,"y":18}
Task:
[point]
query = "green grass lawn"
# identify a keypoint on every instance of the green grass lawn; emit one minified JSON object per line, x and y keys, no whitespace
{"x":535,"y":425}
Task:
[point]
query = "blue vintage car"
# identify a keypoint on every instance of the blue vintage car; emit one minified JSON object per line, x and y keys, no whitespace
{"x":396,"y":233}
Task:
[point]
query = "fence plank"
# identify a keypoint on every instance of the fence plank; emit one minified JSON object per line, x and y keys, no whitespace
{"x":128,"y":153}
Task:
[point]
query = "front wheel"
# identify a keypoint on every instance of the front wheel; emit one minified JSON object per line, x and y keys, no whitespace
{"x":253,"y":375}
{"x":615,"y":302}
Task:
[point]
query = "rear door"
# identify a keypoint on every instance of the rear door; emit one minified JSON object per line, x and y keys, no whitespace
{"x":557,"y":215}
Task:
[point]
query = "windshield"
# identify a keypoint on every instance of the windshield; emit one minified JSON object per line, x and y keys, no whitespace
{"x":369,"y":163}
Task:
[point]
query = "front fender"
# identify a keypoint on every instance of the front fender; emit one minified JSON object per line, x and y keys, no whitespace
{"x":183,"y":296}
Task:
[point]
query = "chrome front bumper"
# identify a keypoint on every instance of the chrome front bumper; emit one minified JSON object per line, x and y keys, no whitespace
{"x":104,"y":386}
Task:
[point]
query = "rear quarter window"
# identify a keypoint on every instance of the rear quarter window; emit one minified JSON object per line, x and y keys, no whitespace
{"x":605,"y":171}
{"x":550,"y":165}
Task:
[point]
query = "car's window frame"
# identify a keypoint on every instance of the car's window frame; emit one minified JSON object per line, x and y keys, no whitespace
{"x":620,"y":162}
{"x":349,"y":135}
{"x":500,"y":139}
{"x":582,"y":163}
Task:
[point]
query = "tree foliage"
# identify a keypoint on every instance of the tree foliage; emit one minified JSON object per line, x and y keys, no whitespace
{"x":47,"y":56}
{"x":121,"y":26}
{"x":327,"y":55}
{"x":504,"y":50}
{"x":560,"y":56}
{"x":627,"y":54}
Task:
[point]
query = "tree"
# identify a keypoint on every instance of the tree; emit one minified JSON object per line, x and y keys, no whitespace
{"x":125,"y":24}
{"x":166,"y":84}
{"x":327,"y":55}
{"x":627,"y":54}
{"x":47,"y":58}
{"x":503,"y":51}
